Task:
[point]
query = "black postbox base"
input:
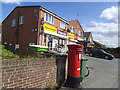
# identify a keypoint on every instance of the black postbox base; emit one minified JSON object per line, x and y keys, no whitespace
{"x":73,"y":82}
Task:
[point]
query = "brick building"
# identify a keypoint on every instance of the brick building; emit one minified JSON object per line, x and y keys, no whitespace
{"x":35,"y":25}
{"x":88,"y":37}
{"x":76,"y":29}
{"x":88,"y":41}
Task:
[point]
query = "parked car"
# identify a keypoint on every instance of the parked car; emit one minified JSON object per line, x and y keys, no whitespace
{"x":100,"y":53}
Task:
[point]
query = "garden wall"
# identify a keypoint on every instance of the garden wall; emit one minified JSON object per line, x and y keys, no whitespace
{"x":37,"y":73}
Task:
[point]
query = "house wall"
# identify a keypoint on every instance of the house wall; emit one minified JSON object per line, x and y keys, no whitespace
{"x":56,"y":24}
{"x":76,"y":24}
{"x":8,"y":33}
{"x":26,"y":35}
{"x":56,"y":21}
{"x":90,"y":36}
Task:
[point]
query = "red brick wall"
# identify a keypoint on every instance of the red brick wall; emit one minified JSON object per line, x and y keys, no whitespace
{"x":26,"y":35}
{"x":28,"y":74}
{"x":76,"y":24}
{"x":8,"y":32}
{"x":56,"y":22}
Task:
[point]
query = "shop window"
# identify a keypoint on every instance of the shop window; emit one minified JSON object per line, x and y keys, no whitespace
{"x":63,"y":42}
{"x":13,"y":22}
{"x":45,"y":39}
{"x":21,"y":20}
{"x":72,"y":29}
{"x":60,"y":41}
{"x":49,"y":18}
{"x":63,"y":25}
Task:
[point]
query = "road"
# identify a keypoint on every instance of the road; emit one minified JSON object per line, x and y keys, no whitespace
{"x":103,"y":73}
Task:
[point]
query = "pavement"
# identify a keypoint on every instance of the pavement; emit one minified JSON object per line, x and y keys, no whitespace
{"x":103,"y":73}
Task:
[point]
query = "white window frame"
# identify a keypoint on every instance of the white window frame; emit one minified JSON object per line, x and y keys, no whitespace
{"x":90,"y":39}
{"x":13,"y":23}
{"x":21,"y":20}
{"x":80,"y":33}
{"x":72,"y":29}
{"x":50,"y":18}
{"x":85,"y":38}
{"x":31,"y":44}
{"x":62,"y":25}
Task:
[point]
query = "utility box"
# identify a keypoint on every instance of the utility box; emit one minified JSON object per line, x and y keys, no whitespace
{"x":83,"y":67}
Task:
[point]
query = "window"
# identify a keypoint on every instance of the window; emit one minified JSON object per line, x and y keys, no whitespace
{"x":80,"y":33}
{"x":90,"y":39}
{"x":49,"y":18}
{"x":46,"y":17}
{"x":13,"y":22}
{"x":72,"y":29}
{"x":85,"y":38}
{"x":21,"y":20}
{"x":31,"y":44}
{"x":63,"y":25}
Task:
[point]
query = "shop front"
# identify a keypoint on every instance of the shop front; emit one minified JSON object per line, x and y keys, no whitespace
{"x":72,"y":38}
{"x":54,"y":38}
{"x":57,"y":39}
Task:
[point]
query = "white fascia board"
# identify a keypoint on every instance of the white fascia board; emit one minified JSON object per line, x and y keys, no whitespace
{"x":53,"y":15}
{"x":73,"y":40}
{"x":80,"y":39}
{"x":39,"y":46}
{"x":47,"y":32}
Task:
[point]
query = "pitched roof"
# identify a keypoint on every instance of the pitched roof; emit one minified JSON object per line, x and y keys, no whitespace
{"x":73,"y":20}
{"x":78,"y":22}
{"x":87,"y":34}
{"x":98,"y":43}
{"x":42,"y":8}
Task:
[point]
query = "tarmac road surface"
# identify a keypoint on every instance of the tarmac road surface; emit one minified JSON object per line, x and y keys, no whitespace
{"x":103,"y":73}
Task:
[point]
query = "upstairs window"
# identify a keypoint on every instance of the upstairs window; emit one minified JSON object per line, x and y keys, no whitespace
{"x":49,"y":18}
{"x":80,"y":33}
{"x":13,"y":22}
{"x":63,"y":25}
{"x":21,"y":20}
{"x":72,"y":29}
{"x":90,"y":39}
{"x":85,"y":38}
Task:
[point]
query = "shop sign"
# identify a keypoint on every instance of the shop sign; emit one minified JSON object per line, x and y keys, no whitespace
{"x":70,"y":35}
{"x":60,"y":32}
{"x":49,"y":28}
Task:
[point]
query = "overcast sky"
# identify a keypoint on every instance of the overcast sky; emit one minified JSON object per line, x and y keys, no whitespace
{"x":100,"y":18}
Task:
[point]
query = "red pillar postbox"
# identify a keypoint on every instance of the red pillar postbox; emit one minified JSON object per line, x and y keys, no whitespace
{"x":74,"y":64}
